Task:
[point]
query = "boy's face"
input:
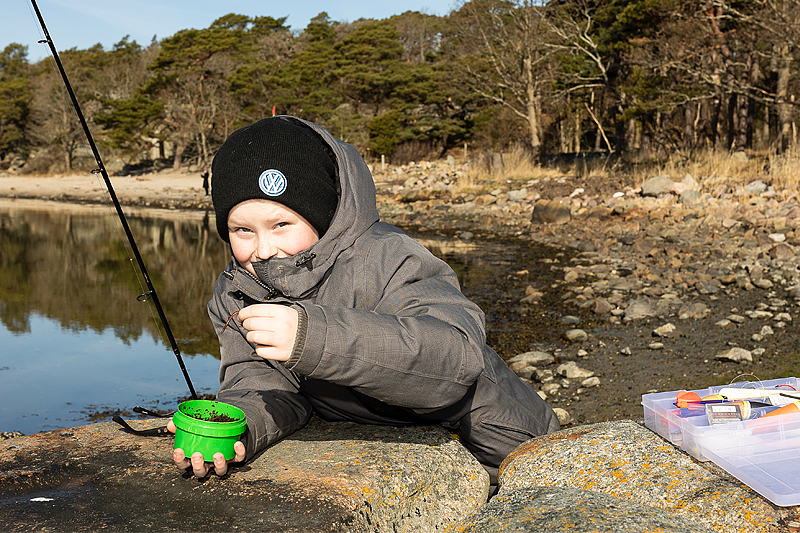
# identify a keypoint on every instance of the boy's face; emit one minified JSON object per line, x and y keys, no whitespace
{"x":260,"y":229}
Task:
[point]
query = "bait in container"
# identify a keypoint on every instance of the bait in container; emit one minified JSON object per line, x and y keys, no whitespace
{"x":208,"y":427}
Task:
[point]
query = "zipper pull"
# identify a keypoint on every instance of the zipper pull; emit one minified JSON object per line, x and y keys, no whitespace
{"x":306,"y":259}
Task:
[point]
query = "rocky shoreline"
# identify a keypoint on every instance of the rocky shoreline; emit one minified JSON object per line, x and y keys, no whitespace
{"x":668,"y":286}
{"x":664,"y":286}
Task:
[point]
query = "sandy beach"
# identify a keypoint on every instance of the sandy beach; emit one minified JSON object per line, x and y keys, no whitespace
{"x":163,"y":189}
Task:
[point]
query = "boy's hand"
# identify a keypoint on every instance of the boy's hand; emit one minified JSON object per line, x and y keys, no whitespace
{"x":273,"y":327}
{"x":200,"y":467}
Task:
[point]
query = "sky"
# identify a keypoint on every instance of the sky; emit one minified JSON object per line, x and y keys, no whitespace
{"x":84,"y":23}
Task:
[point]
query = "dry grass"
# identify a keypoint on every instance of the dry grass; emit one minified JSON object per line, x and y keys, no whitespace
{"x":710,"y":169}
{"x":784,"y":169}
{"x":488,"y":169}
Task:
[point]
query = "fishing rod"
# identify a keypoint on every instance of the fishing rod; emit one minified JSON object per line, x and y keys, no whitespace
{"x":101,"y":169}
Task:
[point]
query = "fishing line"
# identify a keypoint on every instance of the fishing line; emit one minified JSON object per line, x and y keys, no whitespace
{"x":150,"y":294}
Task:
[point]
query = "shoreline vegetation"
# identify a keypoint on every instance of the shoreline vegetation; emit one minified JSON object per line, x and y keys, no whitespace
{"x":450,"y":180}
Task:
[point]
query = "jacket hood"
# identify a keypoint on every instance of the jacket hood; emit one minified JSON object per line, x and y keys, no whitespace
{"x":299,"y":275}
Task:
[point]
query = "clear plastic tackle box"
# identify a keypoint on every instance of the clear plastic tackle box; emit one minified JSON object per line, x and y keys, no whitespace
{"x":763,"y":453}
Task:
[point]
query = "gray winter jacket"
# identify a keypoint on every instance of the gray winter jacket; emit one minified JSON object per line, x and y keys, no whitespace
{"x":385,"y":336}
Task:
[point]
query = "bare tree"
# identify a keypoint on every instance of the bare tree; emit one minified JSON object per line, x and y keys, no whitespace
{"x":191,"y":78}
{"x":54,"y":122}
{"x":506,"y":58}
{"x":574,"y":30}
{"x":420,"y":35}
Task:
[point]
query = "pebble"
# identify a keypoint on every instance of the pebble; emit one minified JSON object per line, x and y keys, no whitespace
{"x":571,"y":370}
{"x":667,"y":330}
{"x":533,"y":358}
{"x":570,"y":320}
{"x":593,"y":381}
{"x":575,"y":336}
{"x":564,"y":417}
{"x":736,"y":355}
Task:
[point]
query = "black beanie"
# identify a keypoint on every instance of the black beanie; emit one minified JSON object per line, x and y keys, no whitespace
{"x":279,"y":159}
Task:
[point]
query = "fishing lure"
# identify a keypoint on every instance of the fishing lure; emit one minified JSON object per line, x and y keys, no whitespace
{"x":229,"y":321}
{"x":151,"y":291}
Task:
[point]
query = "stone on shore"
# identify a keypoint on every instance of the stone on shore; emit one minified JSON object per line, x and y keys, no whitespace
{"x":533,"y":358}
{"x":625,"y":460}
{"x":551,"y":212}
{"x":737,"y":355}
{"x":657,"y":186}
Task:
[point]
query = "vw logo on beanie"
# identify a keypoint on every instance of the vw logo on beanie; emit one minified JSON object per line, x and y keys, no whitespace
{"x":279,"y":159}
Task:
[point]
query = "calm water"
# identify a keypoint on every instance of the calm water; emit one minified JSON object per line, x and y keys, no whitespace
{"x":75,"y":344}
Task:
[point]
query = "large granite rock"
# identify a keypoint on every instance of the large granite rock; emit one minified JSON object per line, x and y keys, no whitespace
{"x":554,"y":510}
{"x":327,"y":477}
{"x":626,"y":460}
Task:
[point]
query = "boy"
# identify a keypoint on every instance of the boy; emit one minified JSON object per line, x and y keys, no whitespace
{"x":340,"y":313}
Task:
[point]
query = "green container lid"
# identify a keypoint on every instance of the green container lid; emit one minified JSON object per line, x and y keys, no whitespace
{"x":196,"y":432}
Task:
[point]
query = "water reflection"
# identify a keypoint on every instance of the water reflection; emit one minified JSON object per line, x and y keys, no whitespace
{"x":72,"y":325}
{"x":78,"y":346}
{"x":72,"y":265}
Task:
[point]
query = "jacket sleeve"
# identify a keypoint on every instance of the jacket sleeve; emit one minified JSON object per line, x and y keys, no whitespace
{"x":264,"y":390}
{"x":408,"y":337}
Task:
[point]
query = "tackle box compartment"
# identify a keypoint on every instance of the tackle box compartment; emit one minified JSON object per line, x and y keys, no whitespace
{"x":761,"y":452}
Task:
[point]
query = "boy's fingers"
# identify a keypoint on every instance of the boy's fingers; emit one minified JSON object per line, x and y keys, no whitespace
{"x":202,"y":468}
{"x":272,"y":353}
{"x":180,"y":460}
{"x":252,"y":310}
{"x":262,"y":338}
{"x":239,"y":450}
{"x":220,"y":464}
{"x":199,"y":465}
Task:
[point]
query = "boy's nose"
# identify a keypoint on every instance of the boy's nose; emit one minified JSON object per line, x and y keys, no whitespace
{"x":265,"y":249}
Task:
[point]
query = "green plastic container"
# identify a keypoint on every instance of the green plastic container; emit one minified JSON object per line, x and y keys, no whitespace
{"x":196,"y":433}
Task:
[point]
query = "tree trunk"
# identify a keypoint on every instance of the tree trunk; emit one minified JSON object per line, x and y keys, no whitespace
{"x":732,"y":116}
{"x":784,"y":110}
{"x":646,"y":144}
{"x":533,"y":124}
{"x":747,"y":106}
{"x":204,"y":145}
{"x":716,"y":112}
{"x":532,"y":109}
{"x":564,"y":135}
{"x":631,"y":135}
{"x":620,"y":130}
{"x":180,"y":147}
{"x":689,"y":111}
